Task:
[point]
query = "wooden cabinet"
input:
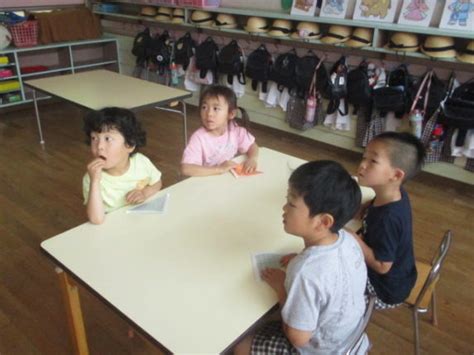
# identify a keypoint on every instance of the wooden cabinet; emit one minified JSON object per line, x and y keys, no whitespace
{"x":51,"y":60}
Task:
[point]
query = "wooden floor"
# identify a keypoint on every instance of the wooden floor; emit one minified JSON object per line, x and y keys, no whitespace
{"x":40,"y":196}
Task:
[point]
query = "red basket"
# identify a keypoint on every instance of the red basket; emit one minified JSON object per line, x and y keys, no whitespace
{"x":25,"y":34}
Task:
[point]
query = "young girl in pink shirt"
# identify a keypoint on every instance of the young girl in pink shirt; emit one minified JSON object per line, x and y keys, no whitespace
{"x":211,"y":148}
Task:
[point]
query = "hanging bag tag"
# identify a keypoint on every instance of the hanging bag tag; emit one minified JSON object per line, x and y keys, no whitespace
{"x":312,"y":100}
{"x":416,"y":115}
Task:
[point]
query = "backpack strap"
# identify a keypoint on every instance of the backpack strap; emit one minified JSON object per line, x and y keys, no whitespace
{"x":426,"y":82}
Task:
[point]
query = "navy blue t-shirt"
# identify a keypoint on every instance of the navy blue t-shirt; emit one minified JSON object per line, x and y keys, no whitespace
{"x":387,"y":230}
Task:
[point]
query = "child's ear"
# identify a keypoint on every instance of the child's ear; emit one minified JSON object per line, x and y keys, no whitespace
{"x":130,"y":148}
{"x":323,"y":221}
{"x":398,"y":175}
{"x":232,"y":114}
{"x":327,"y":220}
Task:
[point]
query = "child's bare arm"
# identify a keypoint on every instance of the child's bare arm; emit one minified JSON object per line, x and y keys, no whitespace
{"x":297,"y":338}
{"x":380,"y":267}
{"x":199,"y":170}
{"x":250,"y":164}
{"x":276,"y":279}
{"x":140,"y":195}
{"x":95,"y":206}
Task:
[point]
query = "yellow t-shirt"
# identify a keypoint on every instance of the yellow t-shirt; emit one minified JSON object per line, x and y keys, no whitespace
{"x":113,"y":189}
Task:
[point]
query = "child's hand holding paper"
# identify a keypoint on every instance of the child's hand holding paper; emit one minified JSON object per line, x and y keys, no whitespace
{"x":240,"y":170}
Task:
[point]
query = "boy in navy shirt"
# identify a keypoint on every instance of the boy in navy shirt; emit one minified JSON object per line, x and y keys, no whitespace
{"x":389,"y":160}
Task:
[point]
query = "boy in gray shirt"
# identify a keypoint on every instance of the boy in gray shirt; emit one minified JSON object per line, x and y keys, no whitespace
{"x":322,"y":293}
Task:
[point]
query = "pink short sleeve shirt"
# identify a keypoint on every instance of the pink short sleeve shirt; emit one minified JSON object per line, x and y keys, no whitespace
{"x":207,"y":150}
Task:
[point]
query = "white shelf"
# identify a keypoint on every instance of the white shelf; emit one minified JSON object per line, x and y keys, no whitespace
{"x":93,"y":65}
{"x":44,"y":72}
{"x":9,"y":78}
{"x":369,"y":51}
{"x":60,"y":58}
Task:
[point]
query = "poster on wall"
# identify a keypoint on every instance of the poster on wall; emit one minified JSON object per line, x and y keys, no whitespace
{"x":376,"y":10}
{"x":335,"y":8}
{"x":417,"y":12}
{"x":303,"y":7}
{"x":458,"y":14}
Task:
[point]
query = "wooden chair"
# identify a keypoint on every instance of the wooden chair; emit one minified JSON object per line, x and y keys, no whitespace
{"x":356,"y":337}
{"x":422,"y":295}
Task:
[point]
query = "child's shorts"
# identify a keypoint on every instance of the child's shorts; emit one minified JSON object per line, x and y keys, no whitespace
{"x":379,"y":304}
{"x":271,"y":340}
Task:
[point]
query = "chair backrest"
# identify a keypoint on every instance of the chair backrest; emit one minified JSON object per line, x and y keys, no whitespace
{"x":356,"y":336}
{"x":436,"y":265}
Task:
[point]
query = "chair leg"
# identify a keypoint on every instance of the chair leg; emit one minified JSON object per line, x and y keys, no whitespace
{"x":417,"y":331}
{"x":434,"y":314}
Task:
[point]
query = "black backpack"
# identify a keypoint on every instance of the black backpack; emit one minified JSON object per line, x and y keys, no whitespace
{"x":140,"y":44}
{"x":206,"y":57}
{"x":283,"y":70}
{"x":359,"y":91}
{"x":231,"y":62}
{"x":304,"y":71}
{"x":398,"y":93}
{"x":458,"y":109}
{"x":159,"y":51}
{"x":184,"y":50}
{"x":259,"y":64}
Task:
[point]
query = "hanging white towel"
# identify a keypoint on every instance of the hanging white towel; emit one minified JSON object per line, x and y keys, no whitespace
{"x":467,"y":149}
{"x":284,"y":98}
{"x":343,"y":122}
{"x":273,"y":95}
{"x":391,"y":122}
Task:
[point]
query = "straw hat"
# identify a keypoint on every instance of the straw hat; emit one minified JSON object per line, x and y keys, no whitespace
{"x":467,"y":55}
{"x":202,"y":18}
{"x":256,"y":25}
{"x":148,"y":11}
{"x":164,"y":14}
{"x":337,"y":34}
{"x":307,"y":30}
{"x":178,"y":16}
{"x":225,"y":21}
{"x":403,"y":42}
{"x":439,"y":47}
{"x":361,"y":37}
{"x":280,"y":28}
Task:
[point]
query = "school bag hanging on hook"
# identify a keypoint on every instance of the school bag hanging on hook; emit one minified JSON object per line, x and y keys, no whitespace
{"x":283,"y":70}
{"x":159,"y":52}
{"x":458,"y":109}
{"x":140,"y":44}
{"x":258,"y":67}
{"x":359,"y":90}
{"x":231,"y":62}
{"x":183,"y":50}
{"x":206,"y":57}
{"x":396,"y":95}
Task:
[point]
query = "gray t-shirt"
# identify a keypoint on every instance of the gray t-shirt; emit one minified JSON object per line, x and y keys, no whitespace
{"x":325,"y":287}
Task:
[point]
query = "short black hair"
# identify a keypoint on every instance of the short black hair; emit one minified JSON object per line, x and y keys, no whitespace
{"x":405,"y":151}
{"x":121,"y":119}
{"x":326,"y":187}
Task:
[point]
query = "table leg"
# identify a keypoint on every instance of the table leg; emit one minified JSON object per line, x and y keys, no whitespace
{"x":185,"y":123}
{"x":74,"y":313}
{"x":38,"y":120}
